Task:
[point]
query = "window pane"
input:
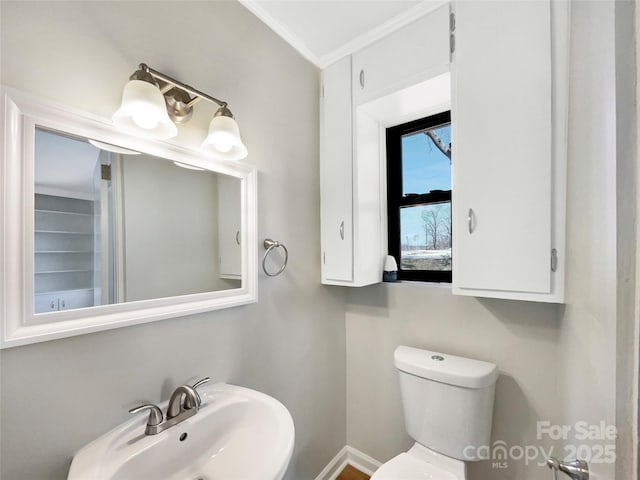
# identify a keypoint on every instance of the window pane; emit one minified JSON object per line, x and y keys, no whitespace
{"x":424,"y":166}
{"x":425,"y":237}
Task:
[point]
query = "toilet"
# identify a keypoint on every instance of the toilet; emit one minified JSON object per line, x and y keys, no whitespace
{"x":448,"y":410}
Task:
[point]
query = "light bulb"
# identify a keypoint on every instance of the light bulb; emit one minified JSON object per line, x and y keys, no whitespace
{"x":223,"y":145}
{"x":145,"y":118}
{"x":223,"y":142}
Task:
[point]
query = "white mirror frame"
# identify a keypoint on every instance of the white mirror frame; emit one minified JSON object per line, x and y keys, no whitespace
{"x":19,"y":116}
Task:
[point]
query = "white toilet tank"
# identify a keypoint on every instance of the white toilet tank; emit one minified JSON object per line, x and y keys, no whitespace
{"x":447,"y":400}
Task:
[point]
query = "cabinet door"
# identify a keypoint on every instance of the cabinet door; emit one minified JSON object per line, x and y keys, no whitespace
{"x":72,"y":299}
{"x":229,"y":217}
{"x":336,"y":173}
{"x":501,"y":134}
{"x":403,"y":58}
{"x":45,"y":303}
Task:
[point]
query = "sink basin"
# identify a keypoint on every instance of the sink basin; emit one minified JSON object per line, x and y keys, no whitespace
{"x":238,"y":434}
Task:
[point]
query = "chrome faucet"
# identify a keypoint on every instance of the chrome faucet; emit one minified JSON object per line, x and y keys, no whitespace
{"x":184,"y":403}
{"x":183,"y":400}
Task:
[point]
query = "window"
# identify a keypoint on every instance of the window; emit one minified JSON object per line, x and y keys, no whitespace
{"x":419,"y":198}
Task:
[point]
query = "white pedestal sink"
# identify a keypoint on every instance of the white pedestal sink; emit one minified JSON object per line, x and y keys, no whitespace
{"x":238,"y":434}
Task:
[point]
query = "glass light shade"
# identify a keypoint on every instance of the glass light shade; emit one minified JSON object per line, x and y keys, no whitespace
{"x":188,"y":167}
{"x":143,"y":111}
{"x":112,"y":148}
{"x":224,"y":139}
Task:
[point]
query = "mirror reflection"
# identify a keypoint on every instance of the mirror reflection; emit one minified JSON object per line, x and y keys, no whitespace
{"x":115,"y":226}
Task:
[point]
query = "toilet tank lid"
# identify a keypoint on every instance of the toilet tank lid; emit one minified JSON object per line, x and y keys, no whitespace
{"x":445,"y":368}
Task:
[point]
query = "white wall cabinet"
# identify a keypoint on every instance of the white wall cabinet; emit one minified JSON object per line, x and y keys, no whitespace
{"x":63,"y":300}
{"x":336,"y":174}
{"x":403,"y":58}
{"x":352,"y":151}
{"x":509,"y":83}
{"x":229,"y":235}
{"x":350,"y":187}
{"x":509,"y":149}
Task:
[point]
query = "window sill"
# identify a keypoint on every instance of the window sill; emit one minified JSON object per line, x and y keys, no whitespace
{"x":423,"y":284}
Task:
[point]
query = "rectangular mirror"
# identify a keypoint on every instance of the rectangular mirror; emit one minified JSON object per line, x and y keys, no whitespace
{"x":120,"y":227}
{"x":113,"y":230}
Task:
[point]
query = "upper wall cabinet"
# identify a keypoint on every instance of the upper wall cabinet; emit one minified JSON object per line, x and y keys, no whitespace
{"x":402,"y":59}
{"x":336,"y":174}
{"x":356,"y":104}
{"x":509,"y":111}
{"x":502,"y":69}
{"x":229,"y":228}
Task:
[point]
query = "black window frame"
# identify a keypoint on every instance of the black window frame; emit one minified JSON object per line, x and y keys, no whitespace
{"x":396,"y":200}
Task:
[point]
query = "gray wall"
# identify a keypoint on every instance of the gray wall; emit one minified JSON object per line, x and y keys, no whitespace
{"x":170,"y":219}
{"x":520,"y":337}
{"x":557,"y":363}
{"x":587,"y":374}
{"x":57,"y":396}
{"x":627,"y":241}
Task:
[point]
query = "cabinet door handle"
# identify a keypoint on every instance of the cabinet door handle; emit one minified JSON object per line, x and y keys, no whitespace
{"x":362,"y":79}
{"x":238,"y":237}
{"x":342,"y":230}
{"x":470,"y":220}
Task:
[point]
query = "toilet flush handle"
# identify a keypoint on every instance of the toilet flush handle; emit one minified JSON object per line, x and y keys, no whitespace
{"x":575,"y":469}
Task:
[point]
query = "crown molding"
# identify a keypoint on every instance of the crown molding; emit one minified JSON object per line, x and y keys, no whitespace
{"x":254,"y":7}
{"x":375,"y":34}
{"x":361,"y":41}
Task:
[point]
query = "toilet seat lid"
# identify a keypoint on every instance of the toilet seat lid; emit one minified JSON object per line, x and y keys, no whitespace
{"x":408,"y":467}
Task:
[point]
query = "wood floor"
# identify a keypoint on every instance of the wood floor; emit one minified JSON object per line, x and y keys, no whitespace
{"x":351,"y":473}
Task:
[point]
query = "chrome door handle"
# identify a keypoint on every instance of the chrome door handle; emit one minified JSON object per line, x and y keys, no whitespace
{"x":470,"y":221}
{"x":238,"y":237}
{"x":342,"y":230}
{"x":361,"y":79}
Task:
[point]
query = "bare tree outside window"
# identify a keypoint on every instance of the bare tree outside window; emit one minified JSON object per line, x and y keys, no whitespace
{"x":437,"y":141}
{"x":437,"y":226}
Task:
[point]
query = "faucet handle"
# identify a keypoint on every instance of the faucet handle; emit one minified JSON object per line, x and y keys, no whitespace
{"x":200,"y":382}
{"x":187,"y":400}
{"x":155,"y":414}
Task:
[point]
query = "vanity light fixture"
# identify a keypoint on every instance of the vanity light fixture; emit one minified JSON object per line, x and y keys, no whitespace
{"x":153,"y":103}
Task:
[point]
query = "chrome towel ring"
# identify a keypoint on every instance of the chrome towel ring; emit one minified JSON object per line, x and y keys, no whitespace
{"x":270,"y":245}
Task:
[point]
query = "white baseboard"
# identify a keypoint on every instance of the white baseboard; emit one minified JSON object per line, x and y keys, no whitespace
{"x":349,"y":456}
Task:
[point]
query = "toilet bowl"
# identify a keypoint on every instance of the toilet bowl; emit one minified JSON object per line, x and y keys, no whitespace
{"x":421,"y":463}
{"x":448,"y":409}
